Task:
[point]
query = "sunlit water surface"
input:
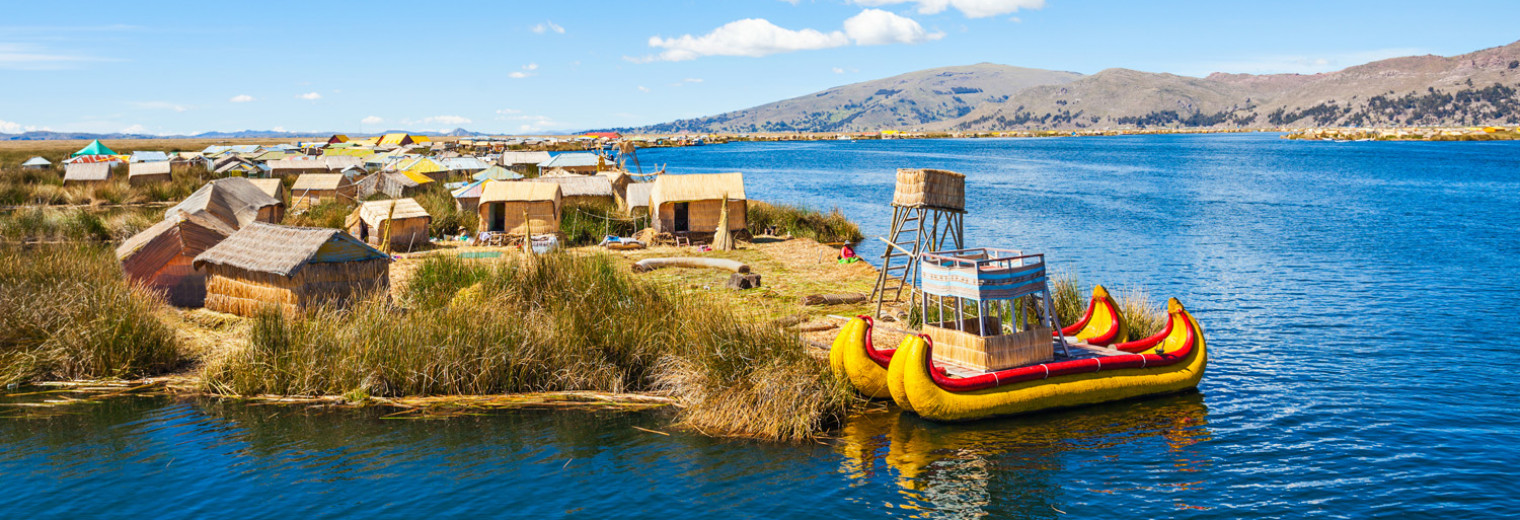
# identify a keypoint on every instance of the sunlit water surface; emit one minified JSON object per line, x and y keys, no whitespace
{"x":1359,"y":300}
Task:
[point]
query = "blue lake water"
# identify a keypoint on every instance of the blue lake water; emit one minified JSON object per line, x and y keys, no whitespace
{"x":1353,"y":295}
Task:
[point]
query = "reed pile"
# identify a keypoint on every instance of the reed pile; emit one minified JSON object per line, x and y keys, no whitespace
{"x":555,"y":323}
{"x":67,"y":313}
{"x":829,"y":228}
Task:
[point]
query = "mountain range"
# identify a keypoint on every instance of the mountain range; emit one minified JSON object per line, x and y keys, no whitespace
{"x":1477,"y":88}
{"x":44,"y":135}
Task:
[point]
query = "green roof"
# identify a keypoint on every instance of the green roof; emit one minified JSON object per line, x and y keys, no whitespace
{"x":497,"y":173}
{"x":94,"y":148}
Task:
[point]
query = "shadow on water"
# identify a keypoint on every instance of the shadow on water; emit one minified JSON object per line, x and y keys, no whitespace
{"x":1018,"y":466}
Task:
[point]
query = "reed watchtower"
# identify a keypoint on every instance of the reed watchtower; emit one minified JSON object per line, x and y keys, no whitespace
{"x":928,"y":210}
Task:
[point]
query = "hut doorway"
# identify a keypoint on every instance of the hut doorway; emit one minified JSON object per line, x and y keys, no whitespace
{"x":363,"y":230}
{"x":682,"y":224}
{"x":499,"y":218}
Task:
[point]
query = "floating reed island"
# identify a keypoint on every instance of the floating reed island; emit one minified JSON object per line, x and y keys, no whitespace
{"x":440,"y":277}
{"x":1471,"y":133}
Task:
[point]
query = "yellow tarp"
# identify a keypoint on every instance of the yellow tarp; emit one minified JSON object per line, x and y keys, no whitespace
{"x":417,"y":177}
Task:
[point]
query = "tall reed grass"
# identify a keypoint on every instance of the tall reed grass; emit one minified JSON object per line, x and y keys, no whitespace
{"x":67,"y":313}
{"x":585,"y":224}
{"x":557,"y":322}
{"x":45,"y":224}
{"x":797,"y":221}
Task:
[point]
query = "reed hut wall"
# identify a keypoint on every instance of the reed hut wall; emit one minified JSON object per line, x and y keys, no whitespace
{"x":243,"y":292}
{"x":702,"y":216}
{"x":542,"y":215}
{"x":406,"y":233}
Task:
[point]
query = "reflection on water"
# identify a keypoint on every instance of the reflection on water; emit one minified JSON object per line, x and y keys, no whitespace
{"x":1013,"y":464}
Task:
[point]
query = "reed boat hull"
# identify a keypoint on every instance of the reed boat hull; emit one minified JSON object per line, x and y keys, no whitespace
{"x":915,"y":388}
{"x":854,"y":358}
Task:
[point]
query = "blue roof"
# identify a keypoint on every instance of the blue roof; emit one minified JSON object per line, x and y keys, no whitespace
{"x":149,"y":156}
{"x":569,"y":160}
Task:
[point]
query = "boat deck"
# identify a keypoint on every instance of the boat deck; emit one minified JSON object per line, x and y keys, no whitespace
{"x":1079,"y":350}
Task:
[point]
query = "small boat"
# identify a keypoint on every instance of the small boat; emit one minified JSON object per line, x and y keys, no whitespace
{"x":1171,"y":361}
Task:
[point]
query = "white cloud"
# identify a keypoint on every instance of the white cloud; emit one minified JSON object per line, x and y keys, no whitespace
{"x":241,"y":98}
{"x":446,"y":120}
{"x":838,"y":70}
{"x":508,"y":111}
{"x":134,"y":129}
{"x":9,"y":127}
{"x":310,"y":96}
{"x":548,"y":26}
{"x":692,"y":80}
{"x":160,"y":105}
{"x":527,"y":70}
{"x":753,"y":37}
{"x":1298,"y":64}
{"x":643,"y":88}
{"x":969,"y":8}
{"x":756,"y":37}
{"x":278,"y":128}
{"x":31,"y":57}
{"x":372,"y":120}
{"x":878,"y":27}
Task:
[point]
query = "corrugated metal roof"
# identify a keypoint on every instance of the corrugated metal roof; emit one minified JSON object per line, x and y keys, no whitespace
{"x":464,"y":164}
{"x":417,"y":177}
{"x":511,"y":158}
{"x":497,"y":173}
{"x":146,"y":156}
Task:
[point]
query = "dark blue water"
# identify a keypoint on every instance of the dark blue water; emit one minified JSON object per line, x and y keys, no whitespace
{"x":1358,"y":299}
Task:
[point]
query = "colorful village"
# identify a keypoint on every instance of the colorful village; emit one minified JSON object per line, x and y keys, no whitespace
{"x":320,"y":236}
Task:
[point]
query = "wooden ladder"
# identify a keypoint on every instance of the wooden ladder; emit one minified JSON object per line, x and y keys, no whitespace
{"x":915,"y":230}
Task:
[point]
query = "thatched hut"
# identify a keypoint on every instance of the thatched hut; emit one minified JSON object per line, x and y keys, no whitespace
{"x":290,"y":268}
{"x":234,"y":200}
{"x":161,"y":255}
{"x":312,"y":188}
{"x":404,"y":219}
{"x":515,"y":208}
{"x":637,"y":197}
{"x":271,"y":187}
{"x":694,"y":203}
{"x":523,"y":161}
{"x":86,"y":173}
{"x":467,"y":197}
{"x":577,"y":189}
{"x":140,"y":173}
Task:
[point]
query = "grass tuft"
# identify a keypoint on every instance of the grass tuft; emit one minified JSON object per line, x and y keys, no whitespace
{"x":797,"y":221}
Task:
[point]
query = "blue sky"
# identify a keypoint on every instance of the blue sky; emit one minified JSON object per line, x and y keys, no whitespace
{"x":522,"y":67}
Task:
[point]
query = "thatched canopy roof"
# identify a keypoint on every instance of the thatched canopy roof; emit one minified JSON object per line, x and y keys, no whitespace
{"x":234,"y":200}
{"x":582,"y":185}
{"x":520,"y":191}
{"x":702,"y":186}
{"x":376,"y":211}
{"x":284,"y":250}
{"x":270,"y":187}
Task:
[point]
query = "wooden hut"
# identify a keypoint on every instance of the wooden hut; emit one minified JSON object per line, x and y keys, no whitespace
{"x":289,"y":268}
{"x":504,"y":206}
{"x":404,"y":219}
{"x":693,"y":203}
{"x":523,"y":161}
{"x":152,"y":172}
{"x":579,"y":189}
{"x":234,"y":200}
{"x":86,"y":173}
{"x":312,"y":188}
{"x":161,"y":255}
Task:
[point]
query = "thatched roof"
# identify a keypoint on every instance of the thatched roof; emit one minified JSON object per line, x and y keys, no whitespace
{"x":319,"y":182}
{"x":234,"y":200}
{"x":582,"y":185}
{"x":376,"y":211}
{"x":148,"y":168}
{"x":182,"y":233}
{"x":270,"y":187}
{"x":284,"y":250}
{"x":702,"y":186}
{"x":638,"y":194}
{"x":520,"y":191}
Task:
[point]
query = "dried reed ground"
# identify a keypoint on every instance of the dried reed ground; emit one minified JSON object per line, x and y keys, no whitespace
{"x":559,"y":322}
